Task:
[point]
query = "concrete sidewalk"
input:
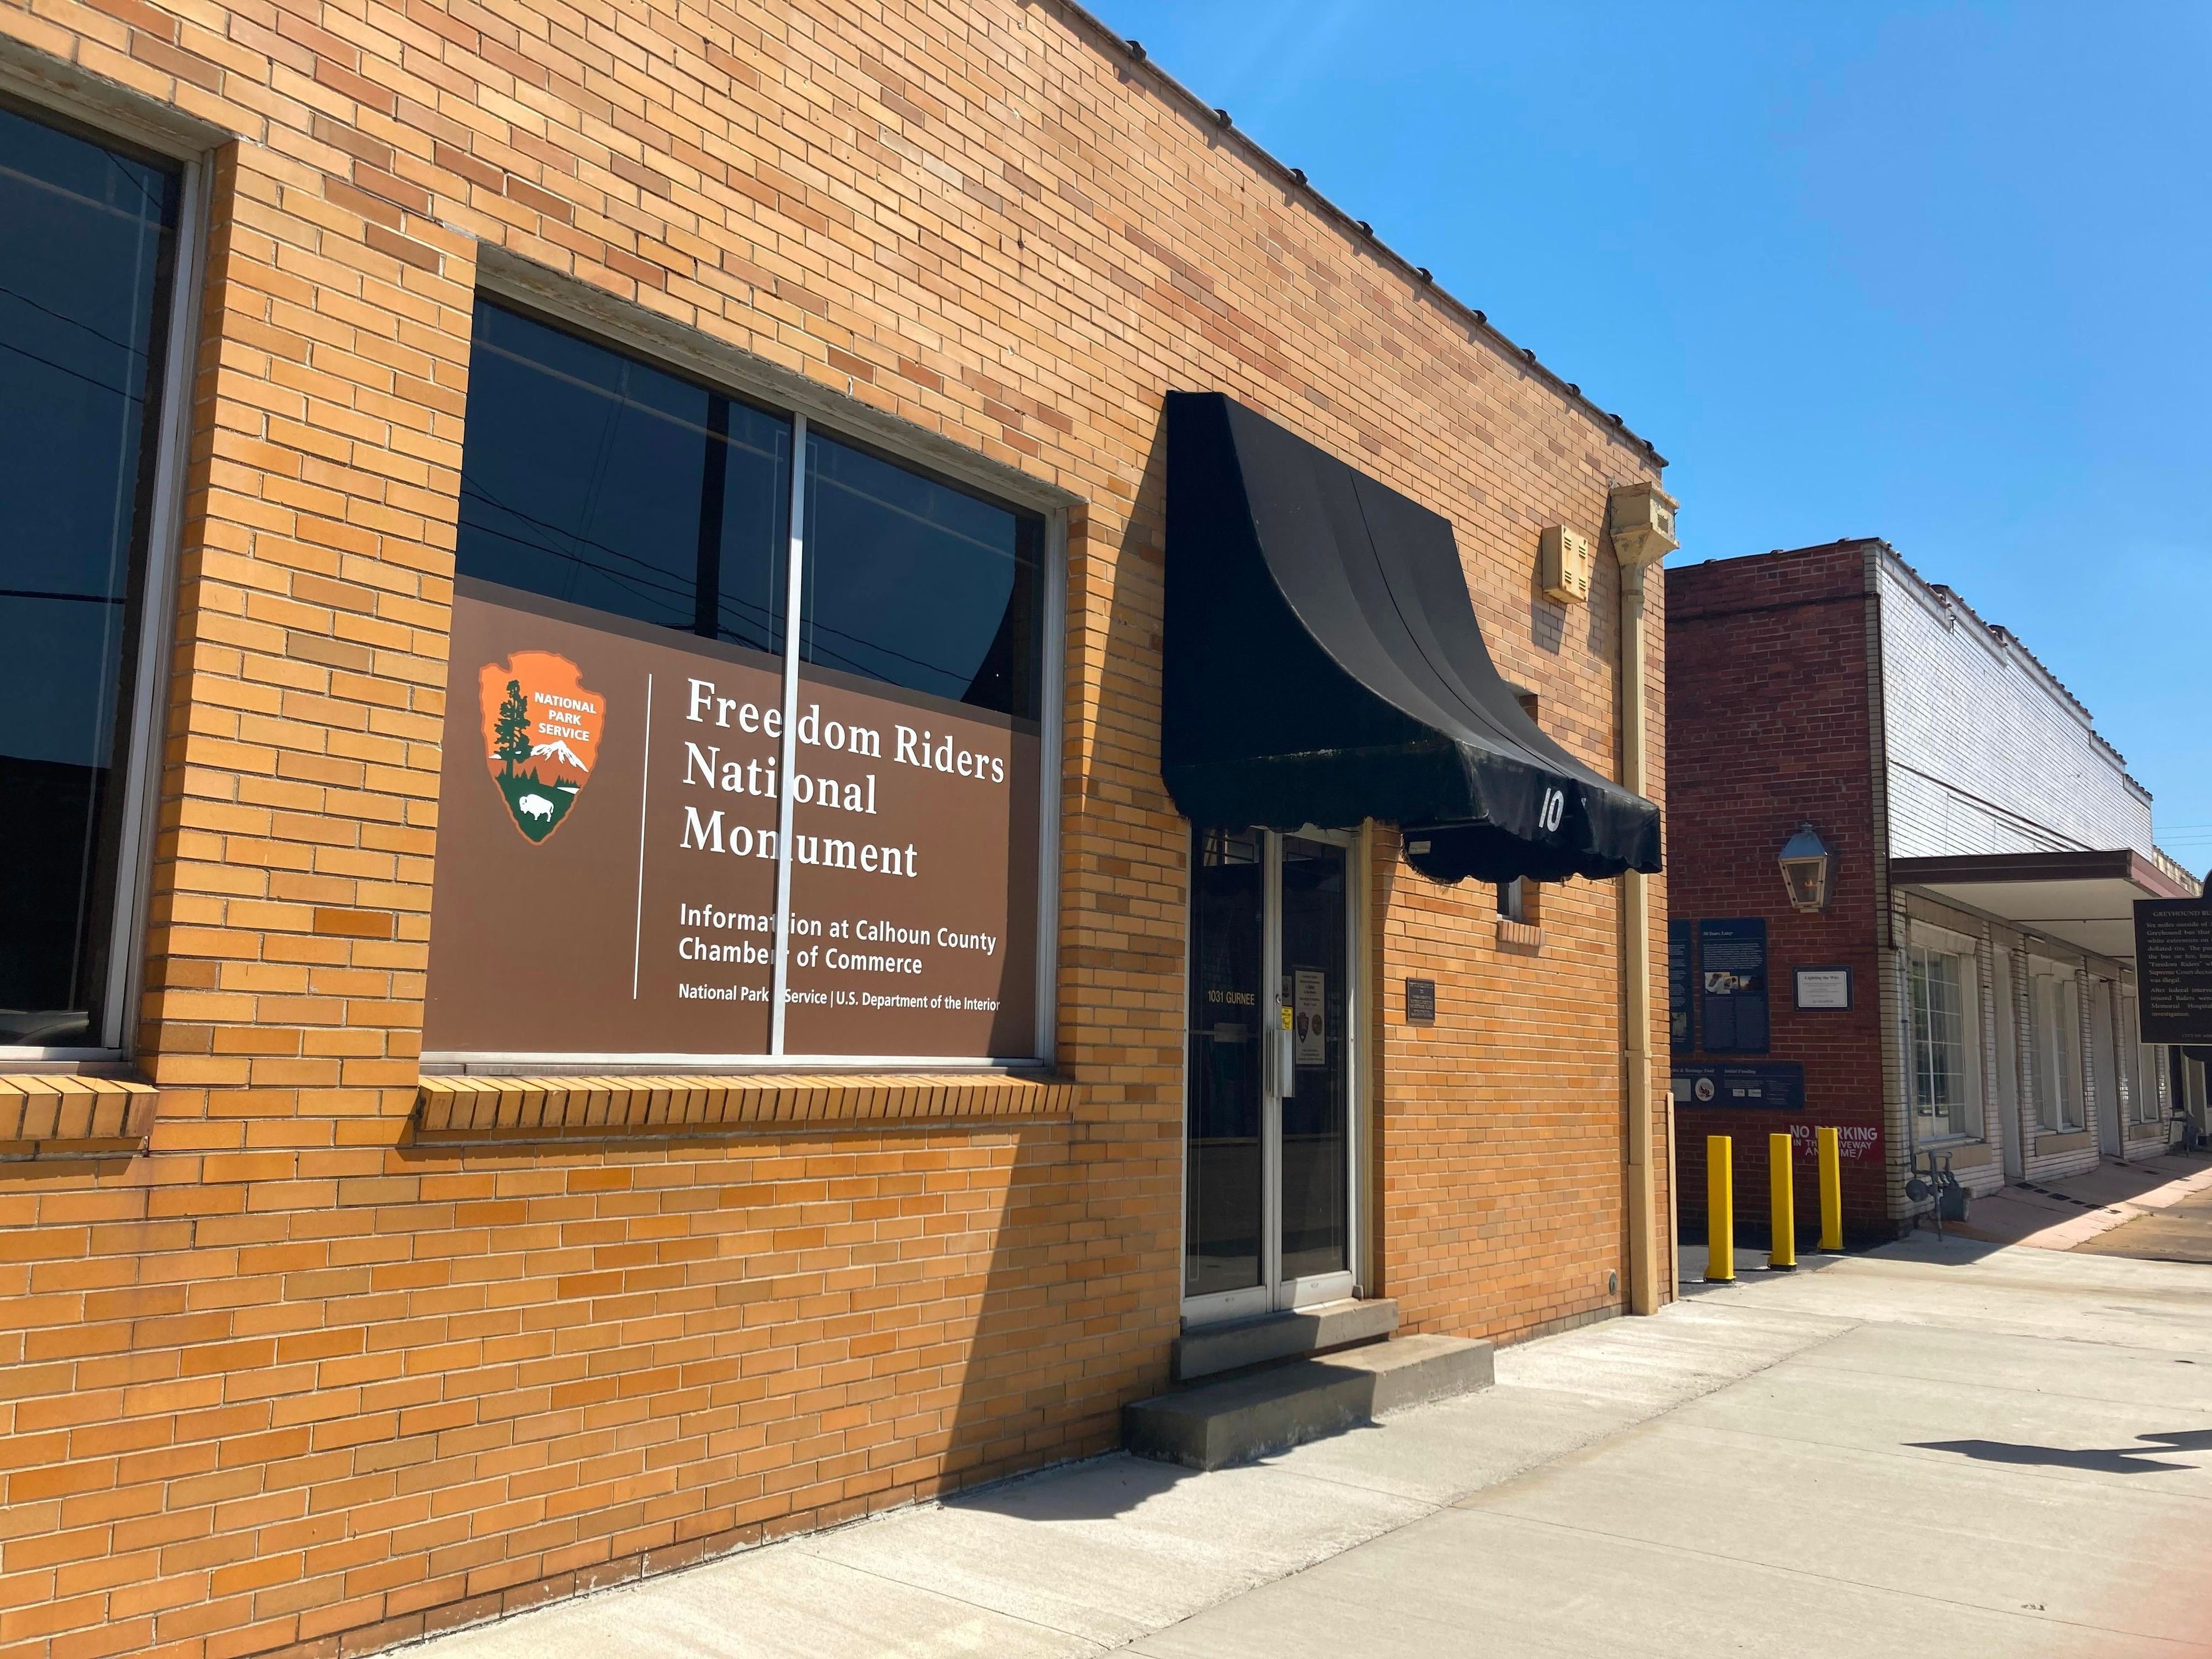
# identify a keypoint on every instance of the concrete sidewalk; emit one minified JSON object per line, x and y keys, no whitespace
{"x":1952,"y":1448}
{"x":2068,"y":1214}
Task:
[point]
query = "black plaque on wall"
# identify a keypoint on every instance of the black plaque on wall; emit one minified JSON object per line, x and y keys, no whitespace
{"x":1420,"y":1002}
{"x":2173,"y":970}
{"x":1681,"y":998}
{"x":1732,"y":985}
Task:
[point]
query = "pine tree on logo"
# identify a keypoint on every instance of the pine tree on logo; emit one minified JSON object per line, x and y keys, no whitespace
{"x":511,"y":728}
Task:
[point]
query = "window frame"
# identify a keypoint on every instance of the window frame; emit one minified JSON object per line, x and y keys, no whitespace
{"x":683,"y":375}
{"x":2135,"y":1075}
{"x":1926,"y":941}
{"x":116,"y":121}
{"x":1513,"y":900}
{"x":2060,"y":1099}
{"x":601,"y":319}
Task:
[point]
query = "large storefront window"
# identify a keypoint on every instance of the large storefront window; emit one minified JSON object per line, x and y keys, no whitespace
{"x":970,"y":634}
{"x":627,"y":825}
{"x":86,"y":263}
{"x":1939,"y":999}
{"x":595,"y":479}
{"x":2056,"y":1000}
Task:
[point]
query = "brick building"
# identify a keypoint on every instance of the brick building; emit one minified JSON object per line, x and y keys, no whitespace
{"x":1967,"y":987}
{"x":467,"y":1132}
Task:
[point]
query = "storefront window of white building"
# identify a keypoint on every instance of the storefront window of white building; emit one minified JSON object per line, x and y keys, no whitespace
{"x":1940,"y":1003}
{"x":88,"y":273}
{"x":2136,"y":1076}
{"x":2058,"y":998}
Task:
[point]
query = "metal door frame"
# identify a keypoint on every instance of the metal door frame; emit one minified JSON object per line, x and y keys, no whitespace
{"x":1274,"y":1292}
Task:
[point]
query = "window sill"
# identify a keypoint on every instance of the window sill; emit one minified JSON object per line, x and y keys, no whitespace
{"x":61,"y":1114}
{"x":474,"y":1108}
{"x":1523,"y":938}
{"x":2048,"y":1141}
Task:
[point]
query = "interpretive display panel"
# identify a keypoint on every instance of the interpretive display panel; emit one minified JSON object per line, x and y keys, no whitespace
{"x":2173,"y":963}
{"x":1732,"y":966}
{"x":1778,"y":1083}
{"x":1681,"y":998}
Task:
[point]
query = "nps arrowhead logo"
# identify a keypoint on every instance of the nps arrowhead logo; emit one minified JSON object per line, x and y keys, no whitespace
{"x":541,"y":730}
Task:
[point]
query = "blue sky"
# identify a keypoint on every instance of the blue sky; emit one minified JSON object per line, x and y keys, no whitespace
{"x":1941,"y":274}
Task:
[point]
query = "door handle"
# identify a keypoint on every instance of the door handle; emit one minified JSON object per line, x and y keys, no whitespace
{"x":1286,"y":1055}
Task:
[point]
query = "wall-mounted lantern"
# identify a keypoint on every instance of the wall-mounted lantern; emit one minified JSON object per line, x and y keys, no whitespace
{"x":1806,"y":867}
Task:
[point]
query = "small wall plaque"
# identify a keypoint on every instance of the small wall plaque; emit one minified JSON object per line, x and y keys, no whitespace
{"x":1420,"y":1002}
{"x":1824,"y":987}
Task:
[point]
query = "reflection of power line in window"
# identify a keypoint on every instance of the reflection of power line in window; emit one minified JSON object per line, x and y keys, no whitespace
{"x":63,"y":369}
{"x":620,"y":397}
{"x":648,"y":581}
{"x":815,"y":652}
{"x":117,"y":168}
{"x":937,"y":526}
{"x":629,"y":581}
{"x":657,"y":582}
{"x":644,"y":570}
{"x":21,"y":298}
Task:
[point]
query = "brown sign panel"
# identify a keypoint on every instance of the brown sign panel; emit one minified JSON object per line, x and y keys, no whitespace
{"x":644,"y":927}
{"x":913,"y":897}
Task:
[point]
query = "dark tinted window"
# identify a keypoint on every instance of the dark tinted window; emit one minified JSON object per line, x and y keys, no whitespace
{"x":591,"y":476}
{"x":915,"y":583}
{"x":87,"y":242}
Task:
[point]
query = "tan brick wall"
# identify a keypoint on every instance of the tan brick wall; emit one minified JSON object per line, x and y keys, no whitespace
{"x":290,"y":1378}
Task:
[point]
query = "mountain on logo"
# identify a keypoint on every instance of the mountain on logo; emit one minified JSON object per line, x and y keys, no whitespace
{"x":558,"y":750}
{"x":541,"y":731}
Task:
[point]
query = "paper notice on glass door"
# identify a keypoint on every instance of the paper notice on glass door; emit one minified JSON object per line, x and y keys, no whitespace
{"x":1309,"y":1001}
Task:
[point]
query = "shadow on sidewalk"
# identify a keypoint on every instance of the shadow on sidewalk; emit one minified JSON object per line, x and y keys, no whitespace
{"x":2113,"y":1460}
{"x":1100,"y":1488}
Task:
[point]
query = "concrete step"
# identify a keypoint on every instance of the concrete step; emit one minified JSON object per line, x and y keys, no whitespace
{"x":1207,"y":1425}
{"x":1210,"y":1350}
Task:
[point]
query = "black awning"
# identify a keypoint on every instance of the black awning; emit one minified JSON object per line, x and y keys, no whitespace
{"x":1324,"y":666}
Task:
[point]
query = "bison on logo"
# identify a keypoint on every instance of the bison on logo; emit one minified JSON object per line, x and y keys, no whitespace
{"x":541,"y":731}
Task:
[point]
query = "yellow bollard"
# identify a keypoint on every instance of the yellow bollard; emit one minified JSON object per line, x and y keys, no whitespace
{"x":1782,"y":1255}
{"x":1832,"y":1191}
{"x":1720,"y":1211}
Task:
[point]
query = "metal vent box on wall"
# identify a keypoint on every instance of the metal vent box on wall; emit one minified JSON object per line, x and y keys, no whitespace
{"x":1563,"y":569}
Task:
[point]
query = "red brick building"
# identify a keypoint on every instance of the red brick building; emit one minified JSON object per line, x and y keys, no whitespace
{"x":1968,"y":988}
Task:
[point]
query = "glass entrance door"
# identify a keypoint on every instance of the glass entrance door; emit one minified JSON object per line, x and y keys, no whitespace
{"x":1268,"y":1213}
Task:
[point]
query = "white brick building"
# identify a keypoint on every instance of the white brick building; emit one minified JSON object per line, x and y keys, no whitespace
{"x":2016,"y":843}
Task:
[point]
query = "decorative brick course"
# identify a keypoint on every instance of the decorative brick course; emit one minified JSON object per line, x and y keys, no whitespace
{"x":46,"y":1109}
{"x":583,"y":1107}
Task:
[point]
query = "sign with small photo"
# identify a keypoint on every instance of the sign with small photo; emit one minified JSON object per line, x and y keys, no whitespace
{"x":1775,"y":1084}
{"x":1732,"y":966}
